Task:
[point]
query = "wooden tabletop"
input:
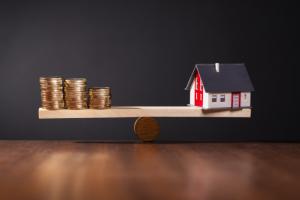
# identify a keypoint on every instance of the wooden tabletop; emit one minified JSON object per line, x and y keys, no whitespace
{"x":63,"y":170}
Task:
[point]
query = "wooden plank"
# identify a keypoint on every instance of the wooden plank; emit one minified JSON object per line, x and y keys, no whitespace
{"x":143,"y":111}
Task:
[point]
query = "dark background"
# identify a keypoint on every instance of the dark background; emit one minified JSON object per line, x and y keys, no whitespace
{"x":146,"y":51}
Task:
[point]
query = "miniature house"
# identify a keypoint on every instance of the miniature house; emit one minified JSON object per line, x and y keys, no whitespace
{"x":214,"y":86}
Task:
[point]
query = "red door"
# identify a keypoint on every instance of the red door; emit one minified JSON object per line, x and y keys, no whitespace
{"x":236,"y":100}
{"x":198,"y":91}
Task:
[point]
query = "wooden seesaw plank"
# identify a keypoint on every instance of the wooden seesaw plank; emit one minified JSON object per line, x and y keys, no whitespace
{"x":143,"y":111}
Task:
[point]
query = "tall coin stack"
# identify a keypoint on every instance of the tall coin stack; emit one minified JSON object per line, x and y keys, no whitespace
{"x":100,"y":97}
{"x":75,"y":93}
{"x":52,"y":97}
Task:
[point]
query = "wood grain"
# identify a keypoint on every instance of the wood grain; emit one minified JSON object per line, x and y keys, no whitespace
{"x":142,"y":111}
{"x":67,"y":170}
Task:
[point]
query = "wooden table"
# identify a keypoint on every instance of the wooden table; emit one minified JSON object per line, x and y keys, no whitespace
{"x":63,"y":170}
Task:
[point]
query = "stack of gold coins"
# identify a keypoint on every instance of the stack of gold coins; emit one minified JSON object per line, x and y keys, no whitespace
{"x":100,"y":97}
{"x":52,"y":97}
{"x":75,"y":93}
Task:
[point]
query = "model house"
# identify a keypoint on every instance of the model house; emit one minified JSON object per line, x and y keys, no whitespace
{"x":214,"y":86}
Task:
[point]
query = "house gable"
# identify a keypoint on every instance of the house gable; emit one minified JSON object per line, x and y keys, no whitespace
{"x":196,"y":91}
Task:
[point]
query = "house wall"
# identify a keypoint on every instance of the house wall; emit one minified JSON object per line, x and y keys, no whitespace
{"x":192,"y":94}
{"x":207,"y":98}
{"x":245,"y":99}
{"x":209,"y":104}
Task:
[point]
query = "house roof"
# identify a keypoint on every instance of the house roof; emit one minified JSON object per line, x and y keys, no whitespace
{"x":230,"y":78}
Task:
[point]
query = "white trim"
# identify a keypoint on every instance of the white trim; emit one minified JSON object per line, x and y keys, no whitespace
{"x":192,"y":94}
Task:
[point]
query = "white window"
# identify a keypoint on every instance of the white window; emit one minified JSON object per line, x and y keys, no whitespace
{"x":214,"y":98}
{"x":245,"y":96}
{"x":222,"y":98}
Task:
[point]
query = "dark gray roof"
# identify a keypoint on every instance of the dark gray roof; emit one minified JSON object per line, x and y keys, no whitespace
{"x":230,"y":78}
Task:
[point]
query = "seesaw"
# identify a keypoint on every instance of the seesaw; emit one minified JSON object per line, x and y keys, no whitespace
{"x":146,"y":127}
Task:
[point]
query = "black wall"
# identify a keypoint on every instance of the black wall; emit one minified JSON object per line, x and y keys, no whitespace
{"x":146,"y":51}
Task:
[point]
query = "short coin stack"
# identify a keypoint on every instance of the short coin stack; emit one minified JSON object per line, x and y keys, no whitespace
{"x":75,"y":93}
{"x":100,"y":97}
{"x":52,"y":97}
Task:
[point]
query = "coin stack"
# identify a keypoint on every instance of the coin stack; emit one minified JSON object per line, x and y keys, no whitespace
{"x":52,"y":97}
{"x":100,"y":97}
{"x":75,"y":93}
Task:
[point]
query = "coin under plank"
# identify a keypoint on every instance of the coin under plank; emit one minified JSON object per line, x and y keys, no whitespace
{"x":146,"y":128}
